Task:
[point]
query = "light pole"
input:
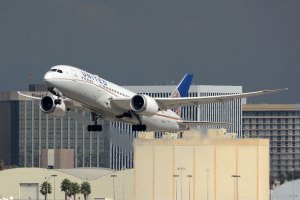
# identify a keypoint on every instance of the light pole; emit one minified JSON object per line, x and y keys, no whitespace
{"x":180,"y":169}
{"x":189,"y":176}
{"x":176,"y":176}
{"x":46,"y":180}
{"x":293,"y":170}
{"x":235,"y":186}
{"x":54,"y":175}
{"x":207,"y":185}
{"x":113,"y":176}
{"x":123,"y":168}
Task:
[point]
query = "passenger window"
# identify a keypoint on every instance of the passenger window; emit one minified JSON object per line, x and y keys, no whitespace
{"x":59,"y":71}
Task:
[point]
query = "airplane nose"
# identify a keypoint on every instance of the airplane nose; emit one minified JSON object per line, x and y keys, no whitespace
{"x":47,"y":79}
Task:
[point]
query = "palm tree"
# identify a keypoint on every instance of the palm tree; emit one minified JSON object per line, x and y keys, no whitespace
{"x":74,"y":189}
{"x":85,"y":189}
{"x":46,"y":189}
{"x":65,"y":187}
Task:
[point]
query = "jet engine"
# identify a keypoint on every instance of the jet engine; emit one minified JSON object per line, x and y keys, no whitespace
{"x":53,"y":106}
{"x":144,"y":104}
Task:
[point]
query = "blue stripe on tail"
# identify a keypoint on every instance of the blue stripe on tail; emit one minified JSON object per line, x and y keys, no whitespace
{"x":184,"y":85}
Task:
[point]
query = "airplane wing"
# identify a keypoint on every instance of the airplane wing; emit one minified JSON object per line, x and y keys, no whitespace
{"x":203,"y":123}
{"x":71,"y":104}
{"x":168,"y":103}
{"x":28,"y":96}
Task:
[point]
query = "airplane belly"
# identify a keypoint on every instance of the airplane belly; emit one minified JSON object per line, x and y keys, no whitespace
{"x":159,"y":123}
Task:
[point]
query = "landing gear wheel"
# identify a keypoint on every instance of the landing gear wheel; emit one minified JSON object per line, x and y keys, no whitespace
{"x":94,"y":128}
{"x":140,"y":127}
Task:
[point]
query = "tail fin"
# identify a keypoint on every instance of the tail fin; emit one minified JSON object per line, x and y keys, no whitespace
{"x":182,"y":90}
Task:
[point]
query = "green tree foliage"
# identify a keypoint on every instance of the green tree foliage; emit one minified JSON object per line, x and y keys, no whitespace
{"x":1,"y":165}
{"x":272,"y":181}
{"x":293,"y":175}
{"x":65,"y":187}
{"x":46,"y":189}
{"x":85,"y":189}
{"x":281,"y":177}
{"x":74,"y":189}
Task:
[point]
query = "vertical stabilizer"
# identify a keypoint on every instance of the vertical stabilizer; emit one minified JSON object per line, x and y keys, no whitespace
{"x":182,"y":90}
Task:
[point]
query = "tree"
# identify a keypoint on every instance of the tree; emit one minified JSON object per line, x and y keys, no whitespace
{"x":293,"y":175}
{"x":65,"y":187}
{"x":281,"y":178}
{"x":46,"y":189}
{"x":74,"y":189}
{"x":272,"y":181}
{"x":1,"y":165}
{"x":85,"y":189}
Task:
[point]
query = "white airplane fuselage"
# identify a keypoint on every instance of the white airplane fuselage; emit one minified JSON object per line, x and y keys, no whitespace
{"x":94,"y":93}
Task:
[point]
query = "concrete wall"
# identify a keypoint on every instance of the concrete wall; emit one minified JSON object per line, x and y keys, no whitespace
{"x":101,"y":185}
{"x":211,"y":163}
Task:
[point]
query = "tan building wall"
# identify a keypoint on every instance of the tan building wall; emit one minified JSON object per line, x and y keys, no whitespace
{"x":100,"y":180}
{"x":211,"y":163}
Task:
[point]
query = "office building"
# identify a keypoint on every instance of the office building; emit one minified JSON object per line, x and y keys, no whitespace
{"x":281,"y":124}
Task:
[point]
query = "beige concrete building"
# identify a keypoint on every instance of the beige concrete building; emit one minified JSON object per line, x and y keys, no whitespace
{"x":24,"y":183}
{"x":214,"y":169}
{"x":281,"y":124}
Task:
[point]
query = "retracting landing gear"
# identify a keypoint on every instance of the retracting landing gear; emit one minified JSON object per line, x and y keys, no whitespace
{"x":140,"y":127}
{"x":56,"y":93}
{"x":94,"y":127}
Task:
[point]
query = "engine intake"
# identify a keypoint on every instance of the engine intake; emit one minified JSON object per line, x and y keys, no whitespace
{"x":144,"y":104}
{"x":49,"y":105}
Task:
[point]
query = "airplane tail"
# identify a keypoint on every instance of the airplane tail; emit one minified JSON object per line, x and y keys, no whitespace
{"x":182,"y":90}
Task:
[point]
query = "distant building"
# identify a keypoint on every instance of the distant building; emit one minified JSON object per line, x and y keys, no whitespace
{"x":281,"y":124}
{"x":25,"y":131}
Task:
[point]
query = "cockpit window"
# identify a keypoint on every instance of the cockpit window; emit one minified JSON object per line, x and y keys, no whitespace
{"x":59,"y":71}
{"x":53,"y":70}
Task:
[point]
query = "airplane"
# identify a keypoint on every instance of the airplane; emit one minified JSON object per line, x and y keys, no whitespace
{"x":74,"y":88}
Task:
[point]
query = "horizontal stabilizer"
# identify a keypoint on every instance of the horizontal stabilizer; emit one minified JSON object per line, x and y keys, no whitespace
{"x":203,"y":123}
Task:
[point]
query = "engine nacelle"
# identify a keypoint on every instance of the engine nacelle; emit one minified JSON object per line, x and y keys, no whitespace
{"x":48,"y":106}
{"x":144,"y":104}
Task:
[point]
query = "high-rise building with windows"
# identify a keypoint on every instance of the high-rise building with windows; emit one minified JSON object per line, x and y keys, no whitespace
{"x":25,"y":131}
{"x":281,"y":124}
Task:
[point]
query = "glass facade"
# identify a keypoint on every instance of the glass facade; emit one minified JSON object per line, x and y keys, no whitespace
{"x":39,"y":131}
{"x":282,"y":127}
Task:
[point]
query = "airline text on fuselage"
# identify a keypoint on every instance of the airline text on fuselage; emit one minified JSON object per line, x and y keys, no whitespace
{"x":90,"y":77}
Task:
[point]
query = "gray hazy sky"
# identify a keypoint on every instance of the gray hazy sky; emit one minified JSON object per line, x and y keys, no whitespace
{"x":253,"y":43}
